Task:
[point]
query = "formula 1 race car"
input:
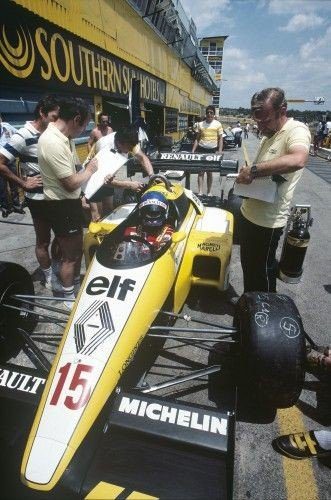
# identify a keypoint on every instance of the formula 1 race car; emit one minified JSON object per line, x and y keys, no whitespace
{"x":133,"y":290}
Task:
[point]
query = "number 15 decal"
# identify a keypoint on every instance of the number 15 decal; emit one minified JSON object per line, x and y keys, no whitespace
{"x":79,"y":380}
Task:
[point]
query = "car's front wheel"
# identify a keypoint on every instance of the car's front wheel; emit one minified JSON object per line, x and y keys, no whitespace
{"x":272,"y":348}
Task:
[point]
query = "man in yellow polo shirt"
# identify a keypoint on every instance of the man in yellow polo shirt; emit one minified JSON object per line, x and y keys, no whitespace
{"x":62,"y":183}
{"x":209,"y":140}
{"x":283,"y":153}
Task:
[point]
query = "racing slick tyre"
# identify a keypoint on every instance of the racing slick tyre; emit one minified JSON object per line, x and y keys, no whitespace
{"x":233,"y":205}
{"x":272,"y":347}
{"x":14,"y":279}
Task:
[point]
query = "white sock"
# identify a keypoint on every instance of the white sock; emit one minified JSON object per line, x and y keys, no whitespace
{"x":68,"y":293}
{"x":324,"y":439}
{"x":47,"y":273}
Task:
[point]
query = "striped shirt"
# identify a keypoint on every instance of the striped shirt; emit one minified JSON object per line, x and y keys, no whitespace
{"x":23,"y":145}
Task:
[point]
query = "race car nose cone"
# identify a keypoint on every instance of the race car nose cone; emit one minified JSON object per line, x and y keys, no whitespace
{"x":39,"y":470}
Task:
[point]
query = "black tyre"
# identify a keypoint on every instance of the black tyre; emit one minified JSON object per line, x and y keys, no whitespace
{"x":233,"y":205}
{"x":272,"y":348}
{"x":14,"y":279}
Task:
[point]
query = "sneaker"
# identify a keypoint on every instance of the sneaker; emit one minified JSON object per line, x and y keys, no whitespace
{"x":5,"y":212}
{"x":300,"y":445}
{"x":233,"y":301}
{"x":68,"y":305}
{"x":53,"y":284}
{"x":18,"y":209}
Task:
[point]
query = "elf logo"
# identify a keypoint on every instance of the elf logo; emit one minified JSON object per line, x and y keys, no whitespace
{"x":116,"y":288}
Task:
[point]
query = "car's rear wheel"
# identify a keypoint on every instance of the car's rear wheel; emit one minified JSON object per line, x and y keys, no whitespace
{"x":14,"y":279}
{"x":272,"y":348}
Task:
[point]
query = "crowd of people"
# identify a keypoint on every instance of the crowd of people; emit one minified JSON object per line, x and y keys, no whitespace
{"x":52,"y":179}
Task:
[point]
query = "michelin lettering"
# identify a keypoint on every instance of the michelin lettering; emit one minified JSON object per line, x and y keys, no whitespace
{"x":172,"y":415}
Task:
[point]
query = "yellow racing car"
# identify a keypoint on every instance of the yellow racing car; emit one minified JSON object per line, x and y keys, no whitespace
{"x":132,"y":281}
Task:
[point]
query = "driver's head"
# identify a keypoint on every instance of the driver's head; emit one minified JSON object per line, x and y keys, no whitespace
{"x":153,"y":210}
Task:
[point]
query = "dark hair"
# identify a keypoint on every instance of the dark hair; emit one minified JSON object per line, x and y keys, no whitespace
{"x":275,"y":94}
{"x":103,"y":114}
{"x":211,"y":108}
{"x":45,"y":105}
{"x":73,"y":106}
{"x":127,"y":135}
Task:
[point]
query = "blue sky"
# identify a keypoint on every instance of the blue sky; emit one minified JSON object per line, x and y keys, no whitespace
{"x":272,"y":43}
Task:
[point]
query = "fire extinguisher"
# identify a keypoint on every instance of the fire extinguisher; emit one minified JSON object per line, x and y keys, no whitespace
{"x":296,"y":241}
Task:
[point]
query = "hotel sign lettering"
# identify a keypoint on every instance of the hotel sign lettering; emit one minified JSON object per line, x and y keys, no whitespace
{"x":39,"y":53}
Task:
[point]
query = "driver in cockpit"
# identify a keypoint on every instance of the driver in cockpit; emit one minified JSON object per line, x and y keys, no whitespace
{"x":152,"y":230}
{"x":153,"y":213}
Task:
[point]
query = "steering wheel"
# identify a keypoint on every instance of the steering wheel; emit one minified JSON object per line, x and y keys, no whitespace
{"x":140,"y":239}
{"x":161,"y":178}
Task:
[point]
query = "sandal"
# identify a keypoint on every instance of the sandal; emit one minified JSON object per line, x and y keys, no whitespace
{"x":300,"y":445}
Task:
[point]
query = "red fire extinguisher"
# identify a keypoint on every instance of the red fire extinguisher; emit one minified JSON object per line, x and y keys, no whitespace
{"x":296,"y":241}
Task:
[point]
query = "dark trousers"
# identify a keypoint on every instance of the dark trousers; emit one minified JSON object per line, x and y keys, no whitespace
{"x":258,"y":247}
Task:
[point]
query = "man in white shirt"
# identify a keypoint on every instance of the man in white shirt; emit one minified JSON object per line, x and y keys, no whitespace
{"x":23,"y":146}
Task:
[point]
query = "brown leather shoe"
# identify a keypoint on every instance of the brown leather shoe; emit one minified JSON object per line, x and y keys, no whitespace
{"x":300,"y":445}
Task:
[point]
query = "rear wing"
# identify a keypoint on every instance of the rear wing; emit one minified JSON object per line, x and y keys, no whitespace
{"x":189,"y":163}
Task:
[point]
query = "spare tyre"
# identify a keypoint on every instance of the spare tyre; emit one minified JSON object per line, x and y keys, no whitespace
{"x":272,"y":348}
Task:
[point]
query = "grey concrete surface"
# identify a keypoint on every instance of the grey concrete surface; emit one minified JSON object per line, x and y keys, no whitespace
{"x":258,"y":468}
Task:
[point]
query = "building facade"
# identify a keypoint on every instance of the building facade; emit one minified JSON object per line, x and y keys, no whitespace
{"x":98,"y":50}
{"x":212,"y":50}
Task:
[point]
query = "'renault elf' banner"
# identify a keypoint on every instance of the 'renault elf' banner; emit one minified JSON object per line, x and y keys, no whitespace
{"x":37,"y":53}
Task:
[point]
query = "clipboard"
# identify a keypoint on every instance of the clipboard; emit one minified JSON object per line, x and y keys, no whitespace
{"x":262,"y":188}
{"x":109,"y":163}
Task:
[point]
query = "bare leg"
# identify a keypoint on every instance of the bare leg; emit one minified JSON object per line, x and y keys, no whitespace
{"x":209,"y":182}
{"x":43,"y":238}
{"x":200,"y":182}
{"x":96,"y":209}
{"x":71,"y":249}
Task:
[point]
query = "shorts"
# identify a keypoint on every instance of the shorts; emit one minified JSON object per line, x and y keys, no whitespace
{"x":102,"y":193}
{"x":206,"y":151}
{"x":65,"y":216}
{"x":37,"y":208}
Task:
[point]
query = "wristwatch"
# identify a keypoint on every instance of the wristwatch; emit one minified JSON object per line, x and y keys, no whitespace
{"x":253,"y":171}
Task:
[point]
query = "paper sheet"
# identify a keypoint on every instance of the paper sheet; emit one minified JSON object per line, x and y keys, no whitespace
{"x":108,"y":164}
{"x":263,"y":188}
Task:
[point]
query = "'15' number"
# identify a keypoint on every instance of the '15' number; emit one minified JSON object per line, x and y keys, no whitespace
{"x":78,"y":380}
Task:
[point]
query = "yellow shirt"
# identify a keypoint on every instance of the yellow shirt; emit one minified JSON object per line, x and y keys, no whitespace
{"x":293,"y":133}
{"x":209,"y":133}
{"x":57,"y":159}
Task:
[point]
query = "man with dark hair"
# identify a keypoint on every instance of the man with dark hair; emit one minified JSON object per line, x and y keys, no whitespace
{"x":98,"y":136}
{"x":23,"y":146}
{"x":209,"y":139}
{"x":126,"y":142}
{"x":62,"y":187}
{"x":282,"y":155}
{"x":13,"y":205}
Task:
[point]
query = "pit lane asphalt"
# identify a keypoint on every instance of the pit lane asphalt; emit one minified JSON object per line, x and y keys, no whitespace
{"x":260,"y":473}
